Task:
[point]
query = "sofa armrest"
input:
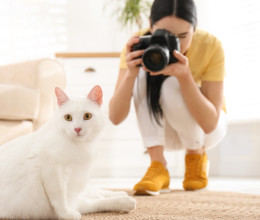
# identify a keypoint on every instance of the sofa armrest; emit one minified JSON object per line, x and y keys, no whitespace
{"x":18,"y":102}
{"x":49,"y":74}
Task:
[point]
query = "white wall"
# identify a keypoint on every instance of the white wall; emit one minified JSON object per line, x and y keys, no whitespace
{"x":238,"y":154}
{"x":237,"y":25}
{"x":93,"y":26}
{"x":32,"y":29}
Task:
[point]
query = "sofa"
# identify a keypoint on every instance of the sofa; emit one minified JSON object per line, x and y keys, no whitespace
{"x":27,"y":97}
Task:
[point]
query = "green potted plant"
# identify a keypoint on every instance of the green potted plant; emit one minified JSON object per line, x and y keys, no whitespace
{"x":132,"y":12}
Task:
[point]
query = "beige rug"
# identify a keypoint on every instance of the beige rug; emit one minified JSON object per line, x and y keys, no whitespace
{"x":187,"y":205}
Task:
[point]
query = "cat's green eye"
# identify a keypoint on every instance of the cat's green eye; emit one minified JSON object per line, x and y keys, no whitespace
{"x":68,"y":117}
{"x":87,"y":116}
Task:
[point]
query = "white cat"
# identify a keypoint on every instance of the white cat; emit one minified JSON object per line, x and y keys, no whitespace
{"x":43,"y":175}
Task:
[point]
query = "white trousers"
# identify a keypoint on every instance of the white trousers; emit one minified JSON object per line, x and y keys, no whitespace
{"x":178,"y":129}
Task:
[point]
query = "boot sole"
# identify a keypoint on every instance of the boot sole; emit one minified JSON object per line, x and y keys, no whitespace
{"x":142,"y":191}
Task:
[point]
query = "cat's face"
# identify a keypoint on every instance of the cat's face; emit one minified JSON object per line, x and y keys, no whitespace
{"x":80,"y":119}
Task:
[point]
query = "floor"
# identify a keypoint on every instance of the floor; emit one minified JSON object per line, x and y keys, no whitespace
{"x":241,"y":185}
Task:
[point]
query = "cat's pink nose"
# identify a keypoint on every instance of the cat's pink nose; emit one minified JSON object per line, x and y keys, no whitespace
{"x":77,"y":130}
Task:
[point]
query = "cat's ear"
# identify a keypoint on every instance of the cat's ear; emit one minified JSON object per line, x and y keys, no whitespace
{"x":61,"y":96}
{"x":96,"y":95}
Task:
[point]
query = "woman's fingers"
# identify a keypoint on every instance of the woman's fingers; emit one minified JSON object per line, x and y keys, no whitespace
{"x":132,"y":41}
{"x":136,"y":62}
{"x":134,"y":55}
{"x":180,"y":57}
{"x":177,"y":68}
{"x":133,"y":58}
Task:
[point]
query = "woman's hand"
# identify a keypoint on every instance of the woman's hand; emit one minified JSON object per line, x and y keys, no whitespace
{"x":179,"y":70}
{"x":133,"y":58}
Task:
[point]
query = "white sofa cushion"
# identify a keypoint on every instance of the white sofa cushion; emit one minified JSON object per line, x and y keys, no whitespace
{"x":18,"y":102}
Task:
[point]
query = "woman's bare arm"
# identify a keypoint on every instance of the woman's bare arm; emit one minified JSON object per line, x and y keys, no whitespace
{"x":119,"y":104}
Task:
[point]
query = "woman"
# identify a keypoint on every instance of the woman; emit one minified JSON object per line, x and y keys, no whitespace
{"x":180,"y":107}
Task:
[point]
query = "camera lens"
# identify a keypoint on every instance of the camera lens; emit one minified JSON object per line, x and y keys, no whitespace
{"x":156,"y":58}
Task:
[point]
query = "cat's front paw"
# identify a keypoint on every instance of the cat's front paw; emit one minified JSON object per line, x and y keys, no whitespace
{"x":70,"y":215}
{"x":127,"y":204}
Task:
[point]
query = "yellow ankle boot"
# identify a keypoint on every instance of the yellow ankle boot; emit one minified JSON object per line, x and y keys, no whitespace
{"x":155,"y":180}
{"x":196,"y":171}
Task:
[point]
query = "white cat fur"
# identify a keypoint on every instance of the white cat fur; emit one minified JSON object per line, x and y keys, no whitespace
{"x":43,"y":175}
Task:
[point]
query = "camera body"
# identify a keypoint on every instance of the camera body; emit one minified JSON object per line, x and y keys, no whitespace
{"x":158,"y":49}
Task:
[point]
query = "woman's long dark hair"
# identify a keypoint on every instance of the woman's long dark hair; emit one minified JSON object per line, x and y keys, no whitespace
{"x":184,"y":9}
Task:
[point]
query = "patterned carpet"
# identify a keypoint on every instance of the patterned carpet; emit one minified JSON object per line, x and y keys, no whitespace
{"x":188,"y":205}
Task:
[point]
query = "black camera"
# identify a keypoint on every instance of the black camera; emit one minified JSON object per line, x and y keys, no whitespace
{"x":158,"y":49}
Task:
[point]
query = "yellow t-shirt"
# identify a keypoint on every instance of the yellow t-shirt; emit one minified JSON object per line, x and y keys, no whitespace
{"x":205,"y":54}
